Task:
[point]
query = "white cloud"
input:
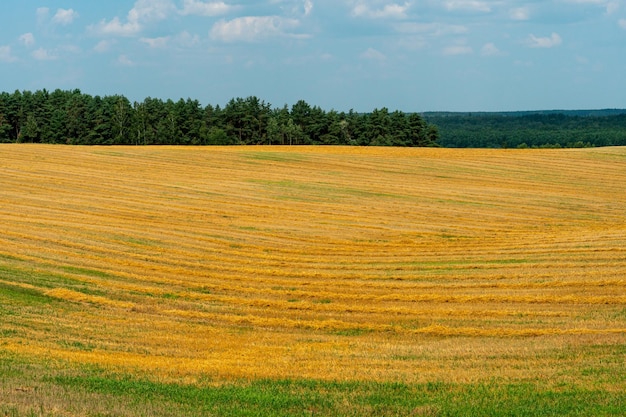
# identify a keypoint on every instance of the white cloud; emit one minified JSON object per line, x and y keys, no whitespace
{"x":6,"y":55}
{"x":73,"y":49}
{"x":547,"y":42}
{"x":156,"y":42}
{"x":602,"y":2}
{"x":42,"y":54}
{"x":582,"y":60}
{"x":612,"y":7}
{"x":116,"y":28}
{"x":144,"y":11}
{"x":586,"y":1}
{"x":432,"y":29}
{"x":150,"y":11}
{"x":457,"y":50}
{"x":65,"y":17}
{"x":412,"y":43}
{"x":489,"y":49}
{"x":201,"y":8}
{"x":526,"y":64}
{"x":470,"y":5}
{"x":42,"y":14}
{"x":253,"y":28}
{"x":308,"y":7}
{"x":295,"y":7}
{"x":373,"y":54}
{"x":103,"y":46}
{"x":27,"y":39}
{"x":388,"y":11}
{"x":520,"y":13}
{"x":186,"y":39}
{"x":125,"y":61}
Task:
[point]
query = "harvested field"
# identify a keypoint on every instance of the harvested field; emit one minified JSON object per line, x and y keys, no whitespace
{"x":326,"y":263}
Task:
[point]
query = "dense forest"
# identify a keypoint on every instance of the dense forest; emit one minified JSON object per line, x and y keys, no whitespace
{"x":72,"y":117}
{"x":540,"y":129}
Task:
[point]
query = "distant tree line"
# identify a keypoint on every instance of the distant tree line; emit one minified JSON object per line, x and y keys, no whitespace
{"x":551,"y":129}
{"x":72,"y":117}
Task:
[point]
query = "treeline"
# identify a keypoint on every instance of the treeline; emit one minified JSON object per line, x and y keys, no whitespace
{"x":72,"y":117}
{"x":553,"y":129}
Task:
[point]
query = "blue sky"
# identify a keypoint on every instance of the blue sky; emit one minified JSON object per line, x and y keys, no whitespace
{"x":456,"y":55}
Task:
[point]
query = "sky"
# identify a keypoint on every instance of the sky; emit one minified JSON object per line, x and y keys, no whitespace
{"x":413,"y":56}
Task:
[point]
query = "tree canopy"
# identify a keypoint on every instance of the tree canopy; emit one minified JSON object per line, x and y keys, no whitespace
{"x":541,"y":129}
{"x":73,"y":117}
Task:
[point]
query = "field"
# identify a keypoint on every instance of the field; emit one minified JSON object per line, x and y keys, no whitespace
{"x":312,"y":281}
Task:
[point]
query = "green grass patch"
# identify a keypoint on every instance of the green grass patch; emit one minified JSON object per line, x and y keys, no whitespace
{"x":320,"y":191}
{"x":97,"y":390}
{"x":76,"y":345}
{"x":7,"y":333}
{"x":351,"y":332}
{"x":136,"y":241}
{"x":19,"y":295}
{"x":309,"y":398}
{"x":45,"y":279}
{"x":5,"y":257}
{"x":111,"y":153}
{"x":170,"y":296}
{"x":85,"y":271}
{"x":275,"y":156}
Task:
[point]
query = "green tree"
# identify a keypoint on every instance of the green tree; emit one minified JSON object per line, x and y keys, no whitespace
{"x":15,"y":114}
{"x":77,"y":123}
{"x":301,"y":117}
{"x":30,"y":132}
{"x":417,"y":130}
{"x":246,"y":120}
{"x":217,"y":136}
{"x":432,"y":136}
{"x":378,"y":128}
{"x":293,"y":133}
{"x":400,"y":129}
{"x":78,"y":118}
{"x":5,"y":126}
{"x":167,"y":128}
{"x":121,"y":119}
{"x":274,"y":132}
{"x":334,"y":133}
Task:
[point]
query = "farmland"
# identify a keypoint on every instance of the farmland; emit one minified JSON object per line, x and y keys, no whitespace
{"x":332,"y":272}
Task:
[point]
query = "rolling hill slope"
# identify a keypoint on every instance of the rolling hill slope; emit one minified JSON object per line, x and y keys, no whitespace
{"x":327,"y":263}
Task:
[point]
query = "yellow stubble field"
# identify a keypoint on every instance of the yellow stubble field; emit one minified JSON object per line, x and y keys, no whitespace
{"x":334,"y":263}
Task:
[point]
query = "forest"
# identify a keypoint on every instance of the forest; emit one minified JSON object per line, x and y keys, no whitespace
{"x":538,"y":129}
{"x":73,"y":117}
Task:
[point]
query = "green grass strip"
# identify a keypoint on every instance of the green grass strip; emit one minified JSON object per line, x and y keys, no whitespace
{"x":309,"y":398}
